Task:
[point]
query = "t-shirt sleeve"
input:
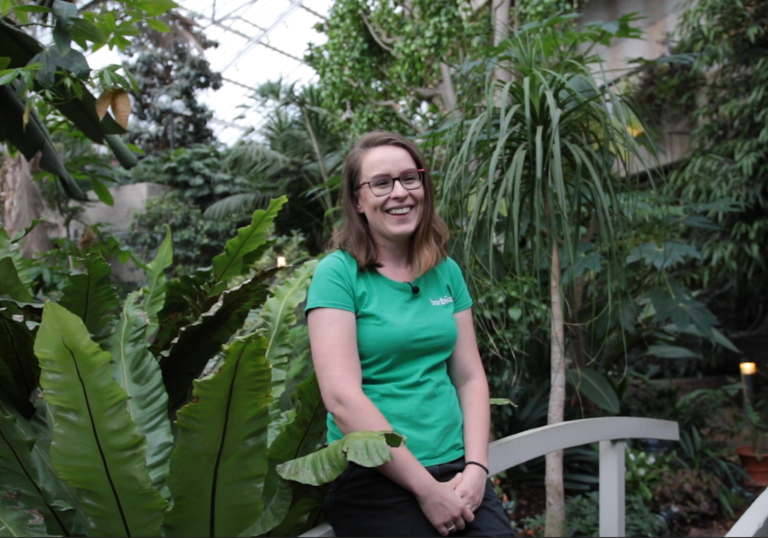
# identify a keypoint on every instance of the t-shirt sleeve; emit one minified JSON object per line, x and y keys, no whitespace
{"x":461,"y":297}
{"x":332,"y":285}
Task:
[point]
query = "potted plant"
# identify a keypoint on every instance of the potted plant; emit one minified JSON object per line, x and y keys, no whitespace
{"x":754,"y":457}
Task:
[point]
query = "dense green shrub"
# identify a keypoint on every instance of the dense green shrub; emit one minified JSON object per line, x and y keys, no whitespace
{"x":584,"y":519}
{"x":196,"y":240}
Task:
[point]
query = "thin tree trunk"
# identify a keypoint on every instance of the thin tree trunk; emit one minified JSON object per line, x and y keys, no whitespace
{"x":447,"y":91}
{"x":500,"y":33}
{"x":555,"y":519}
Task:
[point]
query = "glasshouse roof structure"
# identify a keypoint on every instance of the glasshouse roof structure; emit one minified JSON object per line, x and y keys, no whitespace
{"x":259,"y":41}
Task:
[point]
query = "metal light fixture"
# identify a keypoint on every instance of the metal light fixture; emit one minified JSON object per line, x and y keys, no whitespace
{"x":748,"y":371}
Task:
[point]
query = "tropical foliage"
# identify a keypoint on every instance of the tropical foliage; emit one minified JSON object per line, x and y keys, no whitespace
{"x":300,"y":157}
{"x":56,"y":77}
{"x":121,"y":434}
{"x":729,"y":159}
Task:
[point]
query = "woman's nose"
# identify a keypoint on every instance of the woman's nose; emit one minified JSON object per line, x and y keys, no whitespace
{"x":398,"y":191}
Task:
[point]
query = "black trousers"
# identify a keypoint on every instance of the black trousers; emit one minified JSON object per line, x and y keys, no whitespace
{"x":364,"y":502}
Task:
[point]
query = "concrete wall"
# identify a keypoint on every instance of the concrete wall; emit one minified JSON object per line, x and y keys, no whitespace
{"x":129,"y":199}
{"x":660,"y":22}
{"x":659,"y":25}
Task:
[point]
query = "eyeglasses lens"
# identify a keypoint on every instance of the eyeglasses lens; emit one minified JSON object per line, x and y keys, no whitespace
{"x":410,"y":180}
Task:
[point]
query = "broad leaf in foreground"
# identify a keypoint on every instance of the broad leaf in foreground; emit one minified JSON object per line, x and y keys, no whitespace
{"x":58,"y":493}
{"x":302,"y":436}
{"x":279,"y":314}
{"x":249,"y":238}
{"x":202,"y":340}
{"x":18,"y":472}
{"x":367,"y":449}
{"x":90,"y":295}
{"x":138,"y":373}
{"x":220,"y":460}
{"x":96,"y":446}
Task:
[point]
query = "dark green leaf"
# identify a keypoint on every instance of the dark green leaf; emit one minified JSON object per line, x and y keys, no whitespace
{"x":594,"y":386}
{"x":666,"y":351}
{"x":4,"y":62}
{"x":65,"y":13}
{"x":87,"y":31}
{"x":199,"y":342}
{"x":662,"y":257}
{"x":302,"y":436}
{"x":33,"y":137}
{"x":57,"y":492}
{"x":17,"y":519}
{"x":91,"y":296}
{"x":102,"y":192}
{"x":19,"y":371}
{"x":19,"y":474}
{"x":11,"y":285}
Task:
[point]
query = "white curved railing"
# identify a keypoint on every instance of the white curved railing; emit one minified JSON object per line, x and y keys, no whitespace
{"x":754,"y":522}
{"x":610,"y":432}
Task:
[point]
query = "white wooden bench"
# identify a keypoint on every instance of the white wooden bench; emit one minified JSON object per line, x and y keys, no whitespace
{"x":610,"y":432}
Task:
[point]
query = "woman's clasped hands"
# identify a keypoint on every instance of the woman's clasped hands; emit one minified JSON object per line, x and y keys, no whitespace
{"x":449,"y":506}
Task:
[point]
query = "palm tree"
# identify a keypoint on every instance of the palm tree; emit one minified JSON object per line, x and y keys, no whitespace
{"x":300,"y":156}
{"x":542,"y":159}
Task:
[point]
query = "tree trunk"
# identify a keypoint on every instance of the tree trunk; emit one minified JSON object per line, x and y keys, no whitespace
{"x":23,"y":203}
{"x":555,"y":519}
{"x":500,"y":10}
{"x":447,"y":91}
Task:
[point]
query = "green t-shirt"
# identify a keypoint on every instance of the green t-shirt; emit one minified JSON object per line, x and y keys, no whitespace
{"x":404,"y":341}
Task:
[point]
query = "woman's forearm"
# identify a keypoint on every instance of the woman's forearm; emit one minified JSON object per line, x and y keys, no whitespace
{"x":475,"y":406}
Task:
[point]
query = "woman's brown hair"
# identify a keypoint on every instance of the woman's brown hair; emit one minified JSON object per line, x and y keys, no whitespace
{"x":428,"y":242}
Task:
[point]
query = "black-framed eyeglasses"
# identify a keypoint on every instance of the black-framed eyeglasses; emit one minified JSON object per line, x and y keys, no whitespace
{"x":383,"y":185}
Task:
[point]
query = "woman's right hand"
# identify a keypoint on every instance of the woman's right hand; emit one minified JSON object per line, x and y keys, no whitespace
{"x":444,"y":508}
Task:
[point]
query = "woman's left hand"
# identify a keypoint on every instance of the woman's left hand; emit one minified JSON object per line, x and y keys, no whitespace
{"x":471,"y":487}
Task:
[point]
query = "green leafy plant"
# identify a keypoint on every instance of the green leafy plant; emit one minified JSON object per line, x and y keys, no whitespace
{"x":583,"y":518}
{"x":644,"y":471}
{"x":693,"y":493}
{"x":108,"y":426}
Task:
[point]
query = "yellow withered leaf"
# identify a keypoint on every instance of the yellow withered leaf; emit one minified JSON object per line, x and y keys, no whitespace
{"x":121,"y":107}
{"x":102,"y":103}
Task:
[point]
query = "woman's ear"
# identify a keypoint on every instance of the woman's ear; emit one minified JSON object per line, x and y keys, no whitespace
{"x":358,"y":205}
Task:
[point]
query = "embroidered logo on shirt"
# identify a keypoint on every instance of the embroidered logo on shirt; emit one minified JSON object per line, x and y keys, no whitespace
{"x":441,"y":301}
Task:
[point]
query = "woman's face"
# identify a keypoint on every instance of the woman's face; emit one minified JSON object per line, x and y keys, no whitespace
{"x":393,"y":217}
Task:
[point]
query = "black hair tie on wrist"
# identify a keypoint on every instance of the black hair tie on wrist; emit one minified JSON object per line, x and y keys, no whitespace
{"x":483,"y":467}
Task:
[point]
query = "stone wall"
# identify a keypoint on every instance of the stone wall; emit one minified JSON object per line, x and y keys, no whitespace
{"x":129,"y":199}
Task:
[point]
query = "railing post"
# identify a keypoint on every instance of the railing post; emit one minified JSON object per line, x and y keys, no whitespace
{"x":612,"y":488}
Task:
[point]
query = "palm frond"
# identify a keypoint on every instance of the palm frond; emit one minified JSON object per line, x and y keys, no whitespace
{"x":239,"y":203}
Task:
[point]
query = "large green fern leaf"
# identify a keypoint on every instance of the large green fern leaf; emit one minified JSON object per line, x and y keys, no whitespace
{"x":96,"y":447}
{"x":220,"y":460}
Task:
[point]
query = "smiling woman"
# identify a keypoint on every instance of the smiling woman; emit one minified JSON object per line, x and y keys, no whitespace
{"x":394,"y":348}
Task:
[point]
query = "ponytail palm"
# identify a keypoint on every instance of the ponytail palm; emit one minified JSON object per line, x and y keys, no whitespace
{"x":542,"y":160}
